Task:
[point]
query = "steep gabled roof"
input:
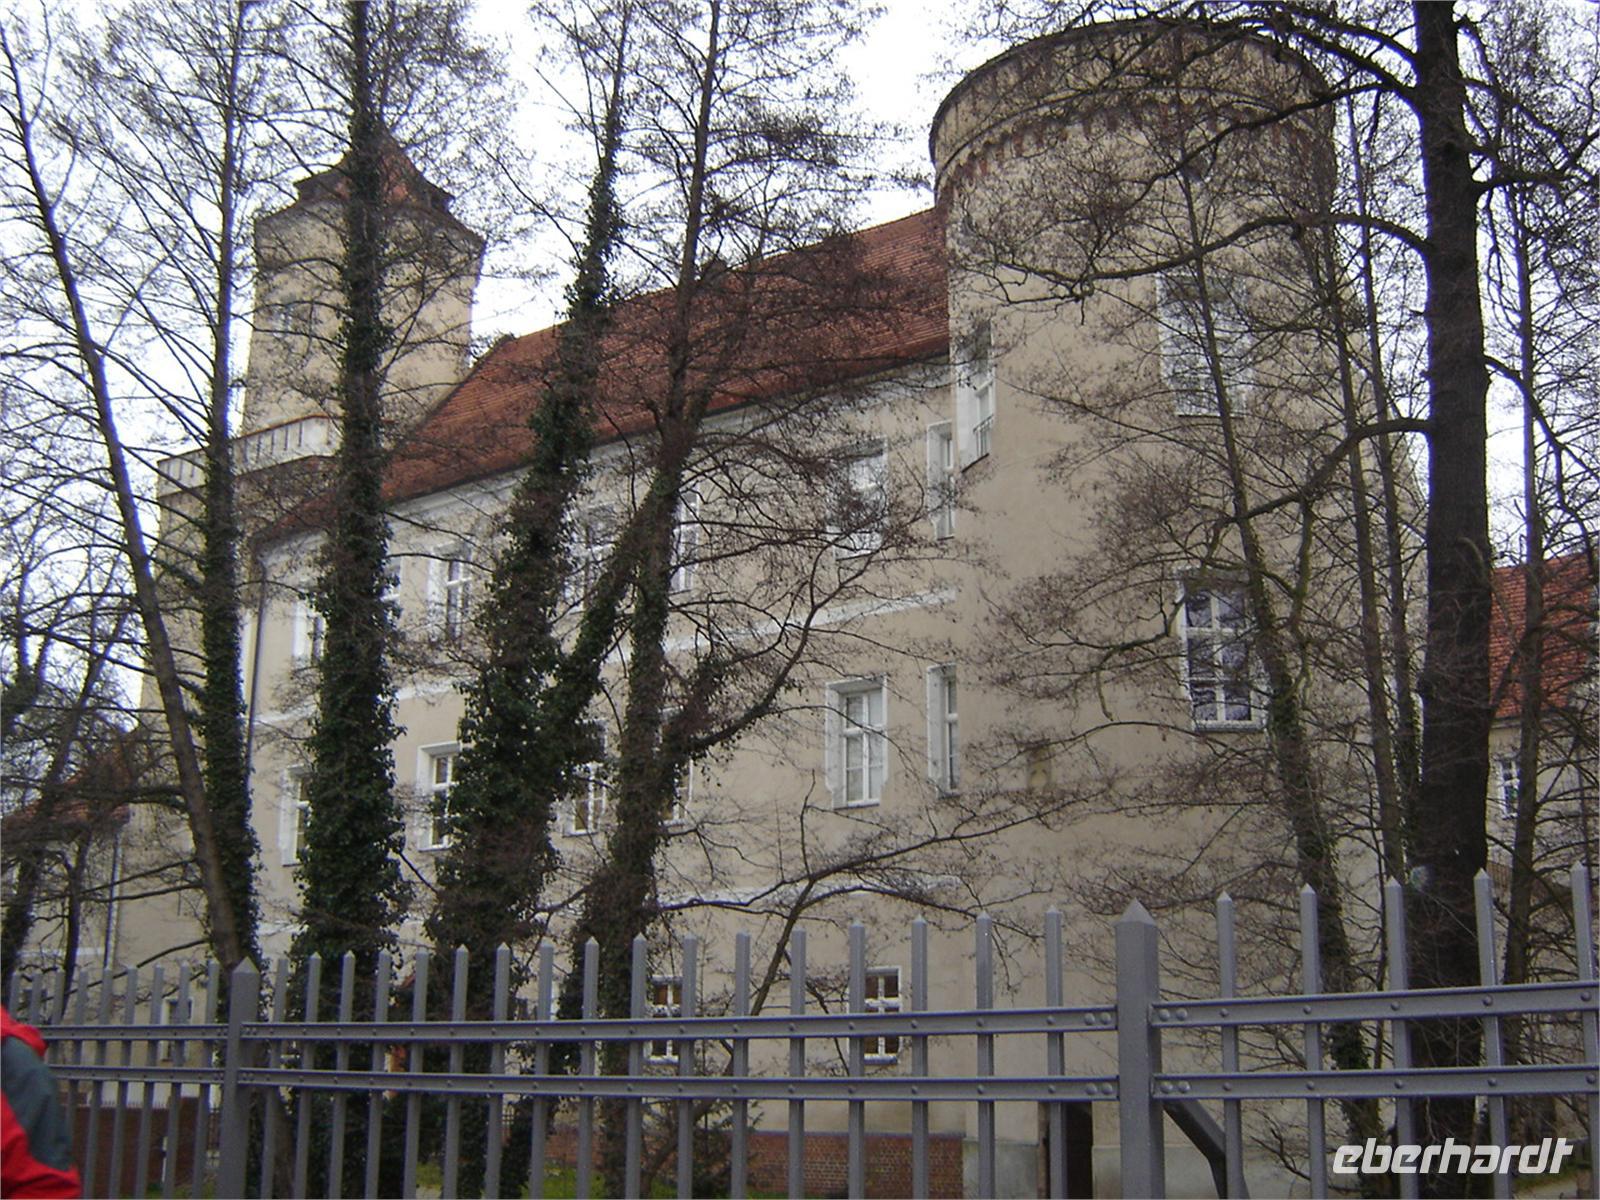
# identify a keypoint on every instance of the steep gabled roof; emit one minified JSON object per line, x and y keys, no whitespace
{"x":404,"y":186}
{"x":820,"y":317}
{"x":1568,"y":629}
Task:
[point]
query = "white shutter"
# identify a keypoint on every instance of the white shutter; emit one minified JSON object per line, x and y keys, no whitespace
{"x":966,"y":410}
{"x":301,"y":651}
{"x":941,"y":479}
{"x":685,"y":540}
{"x":286,"y":820}
{"x":832,"y":744}
{"x":437,"y":566}
{"x":879,"y":721}
{"x":290,"y":791}
{"x":935,"y":722}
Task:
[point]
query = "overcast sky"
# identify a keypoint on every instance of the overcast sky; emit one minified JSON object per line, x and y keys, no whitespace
{"x":902,"y":69}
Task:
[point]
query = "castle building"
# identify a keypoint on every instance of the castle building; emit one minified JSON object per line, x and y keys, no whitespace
{"x":981,"y":527}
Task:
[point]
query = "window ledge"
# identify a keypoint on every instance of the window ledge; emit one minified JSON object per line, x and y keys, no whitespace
{"x":1255,"y":724}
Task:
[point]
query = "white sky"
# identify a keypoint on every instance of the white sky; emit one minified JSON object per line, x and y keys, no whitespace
{"x":901,"y":72}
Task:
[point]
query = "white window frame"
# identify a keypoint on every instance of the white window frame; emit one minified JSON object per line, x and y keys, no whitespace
{"x":1507,"y":783}
{"x":685,"y":540}
{"x":293,"y":812}
{"x":594,"y":538}
{"x":431,"y":789}
{"x":595,"y":784}
{"x":975,"y":394}
{"x":944,"y":729}
{"x":884,"y":1049}
{"x":872,"y":741}
{"x":866,"y":483}
{"x":671,"y":1007}
{"x":942,"y":479}
{"x":682,"y":796}
{"x":1212,"y":641}
{"x":1185,"y":361}
{"x":394,"y":568}
{"x":310,"y":633}
{"x":451,"y":586}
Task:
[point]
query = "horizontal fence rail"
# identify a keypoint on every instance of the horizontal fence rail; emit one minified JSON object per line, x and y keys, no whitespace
{"x":192,"y":1071}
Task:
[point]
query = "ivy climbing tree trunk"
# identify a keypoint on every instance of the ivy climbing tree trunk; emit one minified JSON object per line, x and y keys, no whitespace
{"x":220,"y":722}
{"x":523,"y":735}
{"x":353,"y":891}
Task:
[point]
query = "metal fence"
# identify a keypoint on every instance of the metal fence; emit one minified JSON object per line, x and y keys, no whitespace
{"x":125,"y":1071}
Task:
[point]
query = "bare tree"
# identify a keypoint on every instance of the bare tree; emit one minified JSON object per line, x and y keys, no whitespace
{"x":123,"y":301}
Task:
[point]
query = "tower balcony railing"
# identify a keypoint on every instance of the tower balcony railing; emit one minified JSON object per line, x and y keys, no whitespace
{"x":303,"y":437}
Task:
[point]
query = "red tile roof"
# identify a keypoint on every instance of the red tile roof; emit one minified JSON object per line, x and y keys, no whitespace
{"x":1568,"y":627}
{"x":404,"y":186}
{"x":842,"y":310}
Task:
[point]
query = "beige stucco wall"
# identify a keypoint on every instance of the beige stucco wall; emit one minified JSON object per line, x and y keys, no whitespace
{"x":432,"y":267}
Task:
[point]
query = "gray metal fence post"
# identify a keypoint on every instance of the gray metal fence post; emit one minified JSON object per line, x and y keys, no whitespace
{"x":244,"y":1001}
{"x":983,"y":970}
{"x":1583,"y":918}
{"x":689,"y":998}
{"x":633,"y":1112}
{"x":1139,"y":1110}
{"x":1494,"y":1053}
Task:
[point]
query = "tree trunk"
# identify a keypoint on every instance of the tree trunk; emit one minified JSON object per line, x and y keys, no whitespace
{"x":221,"y":708}
{"x":1448,"y":831}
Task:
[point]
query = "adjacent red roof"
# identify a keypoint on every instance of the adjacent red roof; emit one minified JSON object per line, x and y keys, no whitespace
{"x":840,"y":311}
{"x":1568,"y":630}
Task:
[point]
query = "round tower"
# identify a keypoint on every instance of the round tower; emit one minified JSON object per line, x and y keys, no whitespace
{"x":1082,"y":172}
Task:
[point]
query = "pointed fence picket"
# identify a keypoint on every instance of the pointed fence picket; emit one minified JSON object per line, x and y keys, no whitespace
{"x":252,"y":1062}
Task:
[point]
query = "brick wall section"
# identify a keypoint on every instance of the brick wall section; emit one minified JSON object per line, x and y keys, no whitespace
{"x":888,"y":1160}
{"x":105,"y":1134}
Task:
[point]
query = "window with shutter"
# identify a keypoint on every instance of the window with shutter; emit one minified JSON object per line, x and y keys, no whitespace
{"x":944,"y":730}
{"x":857,"y":742}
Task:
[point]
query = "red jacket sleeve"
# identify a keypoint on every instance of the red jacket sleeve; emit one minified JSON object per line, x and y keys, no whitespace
{"x":35,"y":1142}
